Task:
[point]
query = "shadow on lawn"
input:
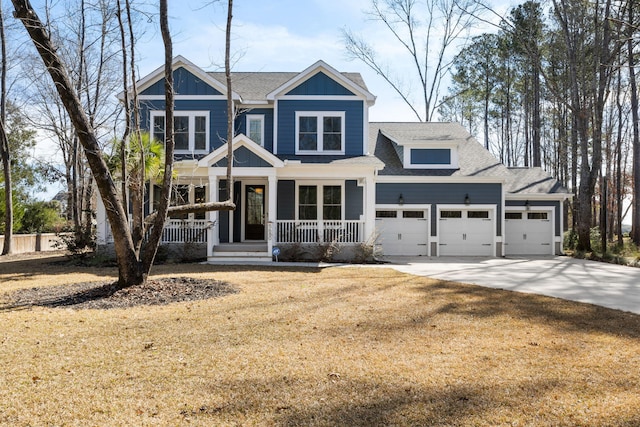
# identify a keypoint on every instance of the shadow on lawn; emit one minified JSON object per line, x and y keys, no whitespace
{"x":59,"y":296}
{"x":353,"y":402}
{"x":486,"y":302}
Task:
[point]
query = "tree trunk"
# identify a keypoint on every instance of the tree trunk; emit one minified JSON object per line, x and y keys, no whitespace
{"x":230,"y":109}
{"x":635,"y":218}
{"x":5,"y":153}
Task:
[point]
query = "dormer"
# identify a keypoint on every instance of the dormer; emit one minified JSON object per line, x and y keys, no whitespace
{"x":423,"y":153}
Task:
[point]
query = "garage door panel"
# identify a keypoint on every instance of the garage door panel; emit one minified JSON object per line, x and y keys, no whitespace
{"x":404,"y":236}
{"x":528,"y":233}
{"x":466,"y":232}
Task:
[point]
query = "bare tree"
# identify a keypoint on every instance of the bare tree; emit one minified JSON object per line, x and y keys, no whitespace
{"x":426,"y":35}
{"x":5,"y":154}
{"x":133,"y":266}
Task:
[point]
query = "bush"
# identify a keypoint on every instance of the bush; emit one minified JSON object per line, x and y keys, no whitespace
{"x":41,"y":217}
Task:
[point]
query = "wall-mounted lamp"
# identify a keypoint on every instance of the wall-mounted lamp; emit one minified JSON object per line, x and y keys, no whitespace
{"x":467,"y":200}
{"x":400,"y":199}
{"x":527,"y":205}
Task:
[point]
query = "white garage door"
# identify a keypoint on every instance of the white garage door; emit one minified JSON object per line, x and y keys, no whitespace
{"x":403,"y":232}
{"x":465,"y":232}
{"x":528,"y":233}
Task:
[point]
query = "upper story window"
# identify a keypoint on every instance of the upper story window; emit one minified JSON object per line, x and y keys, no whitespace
{"x":191,"y":130}
{"x":430,"y":158}
{"x":320,"y":132}
{"x":255,"y":128}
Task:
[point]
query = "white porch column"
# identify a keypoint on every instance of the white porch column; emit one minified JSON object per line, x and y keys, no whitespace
{"x":213,"y":237}
{"x":369,"y":207}
{"x":272,"y":212}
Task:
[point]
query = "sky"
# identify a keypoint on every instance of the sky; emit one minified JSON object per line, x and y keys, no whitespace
{"x":286,"y":35}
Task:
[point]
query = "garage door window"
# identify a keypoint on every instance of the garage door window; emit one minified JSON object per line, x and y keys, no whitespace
{"x":386,"y":214}
{"x":537,"y":215}
{"x":478,"y":214}
{"x":413,"y":214}
{"x":513,"y":215}
{"x":450,"y":214}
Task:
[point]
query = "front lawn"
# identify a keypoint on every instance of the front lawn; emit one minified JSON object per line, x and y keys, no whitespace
{"x":336,"y":346}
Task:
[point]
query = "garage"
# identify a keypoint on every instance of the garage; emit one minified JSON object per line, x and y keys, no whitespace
{"x":466,"y":232}
{"x":528,"y":233}
{"x":403,"y":232}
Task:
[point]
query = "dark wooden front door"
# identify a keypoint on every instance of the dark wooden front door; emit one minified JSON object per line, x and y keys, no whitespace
{"x":254,"y":213}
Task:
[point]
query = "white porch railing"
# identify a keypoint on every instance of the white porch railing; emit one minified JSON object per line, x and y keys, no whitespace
{"x":291,"y":231}
{"x":180,"y":231}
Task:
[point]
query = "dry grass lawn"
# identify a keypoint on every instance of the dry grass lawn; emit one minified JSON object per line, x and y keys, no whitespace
{"x":327,"y":347}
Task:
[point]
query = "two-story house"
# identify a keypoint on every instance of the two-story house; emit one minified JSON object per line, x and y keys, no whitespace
{"x":309,"y":167}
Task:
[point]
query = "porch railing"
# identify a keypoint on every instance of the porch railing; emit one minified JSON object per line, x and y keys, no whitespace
{"x":180,"y":231}
{"x":291,"y":231}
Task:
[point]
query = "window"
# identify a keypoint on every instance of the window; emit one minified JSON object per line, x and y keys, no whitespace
{"x":513,"y":215}
{"x":430,"y":156}
{"x":308,"y":202}
{"x":537,"y":215}
{"x":320,"y":132}
{"x":200,"y":196}
{"x":386,"y":214}
{"x":450,"y":214}
{"x":412,"y":214}
{"x":332,"y":202}
{"x":190,"y":130}
{"x":180,"y":196}
{"x":255,"y":128}
{"x":478,"y":214}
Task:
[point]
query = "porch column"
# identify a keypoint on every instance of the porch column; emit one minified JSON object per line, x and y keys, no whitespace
{"x":369,"y":207}
{"x":272,"y":212}
{"x":213,"y":237}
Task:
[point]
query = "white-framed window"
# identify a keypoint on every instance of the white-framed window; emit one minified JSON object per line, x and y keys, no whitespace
{"x":320,"y":132}
{"x":324,"y":202}
{"x":191,"y":130}
{"x":255,"y":128}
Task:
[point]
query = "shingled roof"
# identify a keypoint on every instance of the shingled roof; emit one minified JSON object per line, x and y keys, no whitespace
{"x":386,"y":140}
{"x":254,"y":86}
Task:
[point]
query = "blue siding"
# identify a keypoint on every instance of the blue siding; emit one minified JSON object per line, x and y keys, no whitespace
{"x":354,"y":116}
{"x":244,"y":158}
{"x":184,"y":83}
{"x":320,"y":84}
{"x":241,"y":124}
{"x":433,"y":194}
{"x":286,"y":209}
{"x":217,"y":115}
{"x":353,"y":200}
{"x":430,"y":156}
{"x":534,"y":203}
{"x":223,"y":216}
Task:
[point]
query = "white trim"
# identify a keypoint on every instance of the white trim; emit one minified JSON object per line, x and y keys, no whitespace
{"x":320,"y":115}
{"x":238,"y":141}
{"x":192,"y":128}
{"x":259,"y":117}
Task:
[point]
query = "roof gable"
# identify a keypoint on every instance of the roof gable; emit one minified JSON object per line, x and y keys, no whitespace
{"x":246,"y":154}
{"x":189,"y":79}
{"x":320,"y":84}
{"x":329,"y":73}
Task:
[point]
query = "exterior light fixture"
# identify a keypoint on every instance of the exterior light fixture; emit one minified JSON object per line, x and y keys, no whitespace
{"x":467,"y":200}
{"x":400,"y":199}
{"x":527,"y":205}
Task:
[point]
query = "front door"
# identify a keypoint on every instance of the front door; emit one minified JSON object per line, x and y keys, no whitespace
{"x":254,"y":214}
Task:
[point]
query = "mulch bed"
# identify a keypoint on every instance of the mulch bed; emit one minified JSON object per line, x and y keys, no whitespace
{"x":105,"y":295}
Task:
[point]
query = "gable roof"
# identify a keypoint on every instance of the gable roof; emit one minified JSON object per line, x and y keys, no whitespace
{"x":241,"y":140}
{"x":180,"y":62}
{"x":387,"y":140}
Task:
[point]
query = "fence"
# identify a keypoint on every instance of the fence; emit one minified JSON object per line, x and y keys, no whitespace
{"x":23,"y":243}
{"x":319,"y":231}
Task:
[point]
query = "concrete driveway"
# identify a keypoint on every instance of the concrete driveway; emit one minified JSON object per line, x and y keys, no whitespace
{"x":608,"y":285}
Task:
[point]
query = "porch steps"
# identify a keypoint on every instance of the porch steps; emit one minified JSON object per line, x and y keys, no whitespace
{"x":240,"y":252}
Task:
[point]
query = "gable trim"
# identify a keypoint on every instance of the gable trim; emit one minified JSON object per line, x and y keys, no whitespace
{"x":331,"y":72}
{"x":178,"y":62}
{"x":241,"y":140}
